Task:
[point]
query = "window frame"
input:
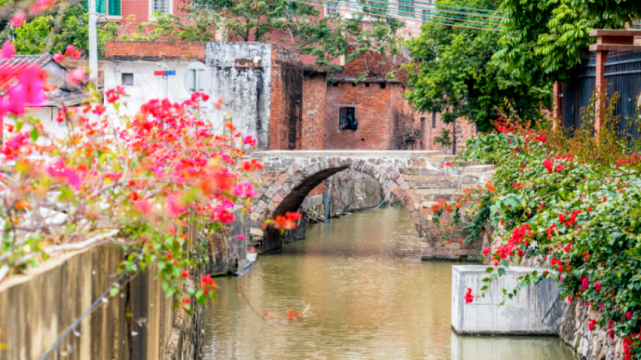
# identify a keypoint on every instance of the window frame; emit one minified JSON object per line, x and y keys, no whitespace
{"x":122,"y":79}
{"x":151,"y":9}
{"x":341,"y":119}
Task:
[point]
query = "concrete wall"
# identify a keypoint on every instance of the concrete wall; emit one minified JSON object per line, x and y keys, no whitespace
{"x":245,"y":87}
{"x":37,"y":307}
{"x":535,"y":310}
{"x":146,"y":86}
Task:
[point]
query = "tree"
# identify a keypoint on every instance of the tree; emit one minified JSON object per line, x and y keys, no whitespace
{"x":542,"y":39}
{"x":454,"y":74}
{"x":38,"y":36}
{"x":326,"y":37}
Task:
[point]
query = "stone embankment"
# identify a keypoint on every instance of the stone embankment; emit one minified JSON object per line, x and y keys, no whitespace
{"x":38,"y":307}
{"x":48,"y":308}
{"x":572,"y":321}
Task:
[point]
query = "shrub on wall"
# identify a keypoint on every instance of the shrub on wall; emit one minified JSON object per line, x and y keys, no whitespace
{"x":570,"y":201}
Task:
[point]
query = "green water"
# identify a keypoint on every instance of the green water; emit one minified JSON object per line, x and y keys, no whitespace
{"x":369,"y":297}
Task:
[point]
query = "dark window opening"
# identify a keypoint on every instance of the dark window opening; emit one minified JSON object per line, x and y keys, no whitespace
{"x":433,"y":119}
{"x":382,"y":85}
{"x":127,"y":79}
{"x":366,"y":84}
{"x":335,"y":84}
{"x":354,"y":84}
{"x":347,"y":118}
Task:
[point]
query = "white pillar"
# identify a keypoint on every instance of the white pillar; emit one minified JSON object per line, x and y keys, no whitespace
{"x":93,"y":41}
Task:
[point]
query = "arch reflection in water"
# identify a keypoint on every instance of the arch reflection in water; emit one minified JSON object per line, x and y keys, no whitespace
{"x":370,"y":297}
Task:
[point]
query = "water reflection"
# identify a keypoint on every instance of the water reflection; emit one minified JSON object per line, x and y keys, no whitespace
{"x":369,"y":297}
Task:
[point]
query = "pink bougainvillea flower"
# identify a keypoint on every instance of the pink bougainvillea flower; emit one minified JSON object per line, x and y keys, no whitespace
{"x":70,"y":51}
{"x":486,"y":251}
{"x":41,"y":5}
{"x":244,"y":189}
{"x":58,"y":169}
{"x":468,"y":296}
{"x":7,"y":51}
{"x":98,"y":109}
{"x":58,"y":57}
{"x":77,"y":76}
{"x":143,"y":206}
{"x":18,"y":18}
{"x":240,"y":236}
{"x":592,"y":324}
{"x":174,"y":206}
{"x":249,"y":140}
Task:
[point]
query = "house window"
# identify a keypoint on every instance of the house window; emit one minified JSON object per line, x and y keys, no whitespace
{"x":406,"y":8}
{"x":127,"y":79}
{"x":347,"y":118}
{"x":433,"y":119}
{"x":161,"y":6}
{"x":107,"y":7}
{"x":331,"y":8}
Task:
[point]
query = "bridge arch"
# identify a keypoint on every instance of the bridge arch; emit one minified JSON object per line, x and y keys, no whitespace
{"x":416,"y":178}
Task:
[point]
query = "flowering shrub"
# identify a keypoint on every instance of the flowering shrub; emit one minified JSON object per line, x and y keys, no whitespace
{"x":571,"y":204}
{"x":144,"y":177}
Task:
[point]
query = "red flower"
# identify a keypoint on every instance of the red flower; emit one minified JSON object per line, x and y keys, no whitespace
{"x":468,"y":296}
{"x":185,"y":274}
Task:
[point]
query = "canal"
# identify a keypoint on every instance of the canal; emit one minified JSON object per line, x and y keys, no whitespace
{"x":368,"y":297}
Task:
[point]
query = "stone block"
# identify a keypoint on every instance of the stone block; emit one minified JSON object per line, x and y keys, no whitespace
{"x":405,"y":186}
{"x":528,"y":313}
{"x":256,"y":232}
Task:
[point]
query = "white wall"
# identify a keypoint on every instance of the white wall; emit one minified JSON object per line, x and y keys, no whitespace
{"x":47,"y":118}
{"x":147,"y":86}
{"x":534,"y":311}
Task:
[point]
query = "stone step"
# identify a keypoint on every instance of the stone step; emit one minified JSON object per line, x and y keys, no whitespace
{"x":441,"y":158}
{"x":477,"y":169}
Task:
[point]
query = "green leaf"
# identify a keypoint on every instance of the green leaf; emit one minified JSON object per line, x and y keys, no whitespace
{"x":502,"y":271}
{"x":33,"y":134}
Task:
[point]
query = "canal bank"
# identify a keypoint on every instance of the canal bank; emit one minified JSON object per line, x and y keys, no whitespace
{"x":369,"y":297}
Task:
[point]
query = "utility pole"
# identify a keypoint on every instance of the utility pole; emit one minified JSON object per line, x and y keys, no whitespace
{"x":93,"y":41}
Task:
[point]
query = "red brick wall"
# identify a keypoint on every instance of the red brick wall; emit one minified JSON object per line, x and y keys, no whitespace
{"x":286,"y":100}
{"x":460,"y":131}
{"x":140,"y":11}
{"x":406,"y":121}
{"x":314,"y":111}
{"x":373,"y":113}
{"x":154,"y":50}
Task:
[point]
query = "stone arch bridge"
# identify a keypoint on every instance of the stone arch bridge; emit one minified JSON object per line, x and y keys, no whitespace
{"x":416,"y":178}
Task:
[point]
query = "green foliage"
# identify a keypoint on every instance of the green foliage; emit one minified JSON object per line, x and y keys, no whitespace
{"x":542,"y":39}
{"x":454,"y":74}
{"x":33,"y":37}
{"x":169,"y":27}
{"x":570,"y":202}
{"x":443,"y":139}
{"x":282,"y":21}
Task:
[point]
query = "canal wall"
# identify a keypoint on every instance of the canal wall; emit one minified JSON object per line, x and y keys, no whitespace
{"x":572,"y":321}
{"x":535,"y":310}
{"x":36,"y":309}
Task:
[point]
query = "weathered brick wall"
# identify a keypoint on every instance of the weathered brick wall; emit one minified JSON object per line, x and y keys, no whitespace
{"x":286,"y":101}
{"x":460,"y":131}
{"x":153,"y":50}
{"x":407,"y":132}
{"x":463,"y":130}
{"x":373,"y":113}
{"x":314,"y":111}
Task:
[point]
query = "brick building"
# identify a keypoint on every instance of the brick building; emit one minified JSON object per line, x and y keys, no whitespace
{"x":274,"y":96}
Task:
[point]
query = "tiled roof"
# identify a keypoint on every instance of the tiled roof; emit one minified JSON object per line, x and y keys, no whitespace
{"x":24,"y":60}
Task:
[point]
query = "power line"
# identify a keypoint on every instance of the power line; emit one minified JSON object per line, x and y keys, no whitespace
{"x":411,"y":16}
{"x":430,"y":7}
{"x":397,"y":17}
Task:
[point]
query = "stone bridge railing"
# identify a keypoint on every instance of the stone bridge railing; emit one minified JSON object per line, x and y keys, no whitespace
{"x":416,"y":178}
